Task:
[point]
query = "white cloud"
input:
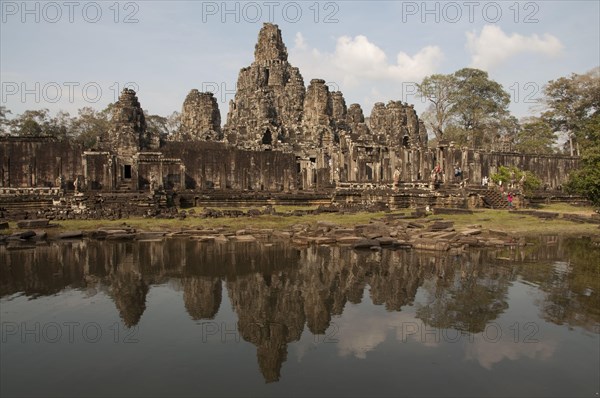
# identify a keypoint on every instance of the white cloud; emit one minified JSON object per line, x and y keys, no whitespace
{"x":299,"y":42}
{"x":356,"y":60}
{"x":488,"y":353}
{"x":493,"y":46}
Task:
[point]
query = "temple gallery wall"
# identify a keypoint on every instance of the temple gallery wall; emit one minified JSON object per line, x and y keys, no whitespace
{"x":279,"y":136}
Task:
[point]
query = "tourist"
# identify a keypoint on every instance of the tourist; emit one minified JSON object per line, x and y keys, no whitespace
{"x":509,"y":197}
{"x":457,"y":172}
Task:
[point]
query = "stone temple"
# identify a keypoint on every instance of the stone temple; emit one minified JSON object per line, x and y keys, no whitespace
{"x":280,"y":136}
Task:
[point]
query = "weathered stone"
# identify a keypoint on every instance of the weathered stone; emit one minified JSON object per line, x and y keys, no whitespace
{"x":204,"y":238}
{"x":386,"y":240}
{"x":71,"y":235}
{"x":469,"y":240}
{"x":282,"y":234}
{"x":414,"y":225}
{"x":110,"y":231}
{"x":349,"y":240}
{"x":268,"y":105}
{"x":322,"y":240}
{"x":365,"y":244}
{"x":300,"y":240}
{"x":327,"y":225}
{"x":40,"y":235}
{"x":200,"y":118}
{"x":41,"y":223}
{"x":120,"y":236}
{"x":244,"y":238}
{"x":221,"y":239}
{"x":98,"y":234}
{"x":23,"y":235}
{"x":128,"y":131}
{"x":440,"y":225}
{"x":402,"y":245}
{"x":430,"y":244}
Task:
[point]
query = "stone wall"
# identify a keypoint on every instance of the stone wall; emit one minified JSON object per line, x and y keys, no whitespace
{"x":38,"y":162}
{"x":553,"y":170}
{"x":211,"y":165}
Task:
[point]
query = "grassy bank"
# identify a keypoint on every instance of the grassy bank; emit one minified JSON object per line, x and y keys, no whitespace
{"x":501,"y":220}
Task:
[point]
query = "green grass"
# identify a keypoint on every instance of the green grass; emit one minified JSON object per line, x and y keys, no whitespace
{"x":566,"y":208}
{"x":520,"y":224}
{"x":265,"y":221}
{"x":503,"y":220}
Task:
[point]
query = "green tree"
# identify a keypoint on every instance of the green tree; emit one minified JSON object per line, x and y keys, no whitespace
{"x":37,"y":123}
{"x":468,"y":107}
{"x":90,"y":125}
{"x":480,"y":107}
{"x":571,"y":102}
{"x":60,"y":126}
{"x":586,"y":179}
{"x":4,"y":122}
{"x":535,"y":135}
{"x":573,"y":108}
{"x":531,"y":182}
{"x":156,"y":124}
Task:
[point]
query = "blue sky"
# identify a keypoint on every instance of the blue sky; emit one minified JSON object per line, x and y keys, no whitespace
{"x":67,"y":55}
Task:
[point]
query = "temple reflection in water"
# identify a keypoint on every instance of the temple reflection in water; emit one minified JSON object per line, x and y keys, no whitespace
{"x":277,"y":290}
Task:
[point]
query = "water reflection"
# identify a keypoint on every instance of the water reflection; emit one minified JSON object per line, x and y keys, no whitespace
{"x":277,"y":290}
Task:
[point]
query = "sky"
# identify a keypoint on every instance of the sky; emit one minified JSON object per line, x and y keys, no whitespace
{"x":66,"y":55}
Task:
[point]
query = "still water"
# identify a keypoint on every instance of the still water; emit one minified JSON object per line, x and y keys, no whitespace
{"x":181,"y":318}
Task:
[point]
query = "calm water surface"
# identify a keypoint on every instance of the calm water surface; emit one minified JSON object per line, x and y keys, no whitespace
{"x":181,"y":318}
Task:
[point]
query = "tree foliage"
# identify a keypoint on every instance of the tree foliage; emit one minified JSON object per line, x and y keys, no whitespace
{"x":468,"y":107}
{"x":439,"y":90}
{"x":4,"y":121}
{"x":535,"y":135}
{"x":90,"y":125}
{"x":571,"y":103}
{"x":513,"y":174}
{"x":37,"y":123}
{"x":586,"y":179}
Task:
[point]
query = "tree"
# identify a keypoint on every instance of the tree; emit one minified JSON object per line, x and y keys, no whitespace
{"x":90,"y":125}
{"x":39,"y":123}
{"x":535,"y":135}
{"x":439,"y":90}
{"x":531,"y":182}
{"x":586,"y":179}
{"x":571,"y":102}
{"x":59,"y":126}
{"x":30,"y":123}
{"x":479,"y":106}
{"x":573,"y":108}
{"x":173,"y":123}
{"x":468,"y":108}
{"x":4,"y":122}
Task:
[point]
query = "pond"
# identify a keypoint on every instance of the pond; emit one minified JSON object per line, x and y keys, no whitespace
{"x":185,"y":318}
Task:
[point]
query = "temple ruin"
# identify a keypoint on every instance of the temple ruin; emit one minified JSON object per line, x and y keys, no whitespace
{"x":279,"y":137}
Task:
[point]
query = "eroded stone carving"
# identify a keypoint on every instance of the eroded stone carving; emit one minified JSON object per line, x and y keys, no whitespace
{"x":200,"y":118}
{"x":128,"y":132}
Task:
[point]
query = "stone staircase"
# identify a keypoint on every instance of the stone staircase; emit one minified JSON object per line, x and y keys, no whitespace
{"x":494,"y":199}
